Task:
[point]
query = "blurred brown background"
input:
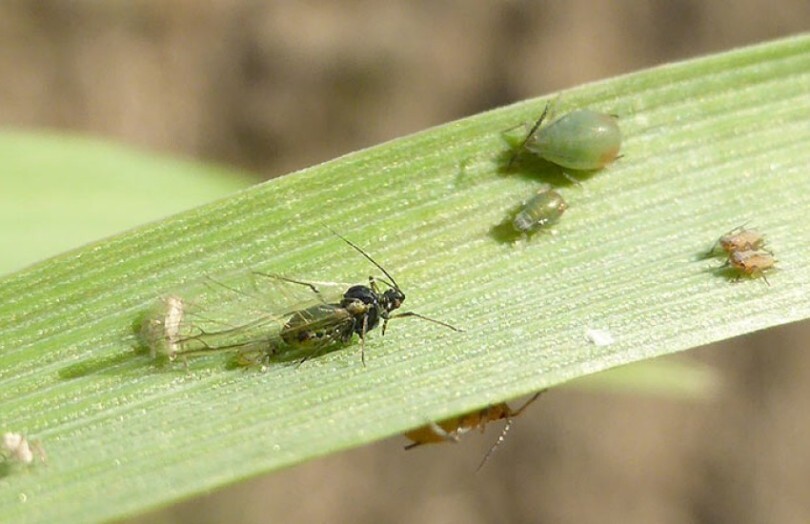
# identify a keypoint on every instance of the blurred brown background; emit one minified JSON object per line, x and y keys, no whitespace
{"x":275,"y":86}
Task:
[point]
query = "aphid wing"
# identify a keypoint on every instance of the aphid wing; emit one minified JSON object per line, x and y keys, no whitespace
{"x":237,"y":311}
{"x":297,"y":295}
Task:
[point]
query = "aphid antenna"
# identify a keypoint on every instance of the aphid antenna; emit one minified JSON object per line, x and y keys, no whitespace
{"x":526,"y":404}
{"x":497,"y":443}
{"x":528,"y":136}
{"x":423,"y":317}
{"x":373,"y":281}
{"x":507,"y":427}
{"x":367,"y":256}
{"x":738,"y":228}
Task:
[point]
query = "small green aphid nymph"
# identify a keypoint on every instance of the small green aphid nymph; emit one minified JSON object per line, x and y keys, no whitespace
{"x":543,"y":209}
{"x":582,"y":140}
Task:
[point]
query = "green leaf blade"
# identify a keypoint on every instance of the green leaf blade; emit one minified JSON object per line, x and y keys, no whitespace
{"x":709,"y":144}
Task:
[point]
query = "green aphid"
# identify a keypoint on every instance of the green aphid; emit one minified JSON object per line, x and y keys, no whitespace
{"x":582,"y":140}
{"x":543,"y":209}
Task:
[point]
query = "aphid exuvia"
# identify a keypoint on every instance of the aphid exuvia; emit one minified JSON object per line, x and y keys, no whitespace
{"x":581,"y":140}
{"x":15,"y":447}
{"x":543,"y":209}
{"x":161,"y":329}
{"x":449,"y":430}
{"x":264,"y":317}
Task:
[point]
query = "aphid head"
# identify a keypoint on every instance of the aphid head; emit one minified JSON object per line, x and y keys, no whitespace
{"x":390,"y":300}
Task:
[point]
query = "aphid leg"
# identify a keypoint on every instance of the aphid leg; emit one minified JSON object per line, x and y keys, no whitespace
{"x":363,"y":341}
{"x":314,"y":353}
{"x":372,"y":283}
{"x":762,"y":274}
{"x":423,"y":317}
{"x":713,"y":250}
{"x":528,"y":137}
{"x":571,"y":179}
{"x":520,"y":410}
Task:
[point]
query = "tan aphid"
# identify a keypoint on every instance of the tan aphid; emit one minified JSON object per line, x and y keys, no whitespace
{"x":752,"y":263}
{"x":741,"y":239}
{"x":450,"y":429}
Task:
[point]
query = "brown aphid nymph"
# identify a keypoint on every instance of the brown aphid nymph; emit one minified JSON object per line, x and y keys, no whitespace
{"x":450,"y":429}
{"x":741,"y":239}
{"x":751,"y":263}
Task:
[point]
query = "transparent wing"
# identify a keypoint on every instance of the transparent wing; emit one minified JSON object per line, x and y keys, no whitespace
{"x":259,"y":315}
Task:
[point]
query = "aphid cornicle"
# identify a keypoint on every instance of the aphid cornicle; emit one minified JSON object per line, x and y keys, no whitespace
{"x":543,"y":209}
{"x":235,"y":317}
{"x":751,"y":263}
{"x":450,"y":429}
{"x":582,"y":140}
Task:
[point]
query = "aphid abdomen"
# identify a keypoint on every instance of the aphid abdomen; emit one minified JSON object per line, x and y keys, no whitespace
{"x":443,"y":431}
{"x":582,"y":140}
{"x":544,"y":208}
{"x":318,"y":326}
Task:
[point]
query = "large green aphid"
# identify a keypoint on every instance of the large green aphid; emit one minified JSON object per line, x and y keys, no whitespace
{"x":266,"y":317}
{"x":581,"y":140}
